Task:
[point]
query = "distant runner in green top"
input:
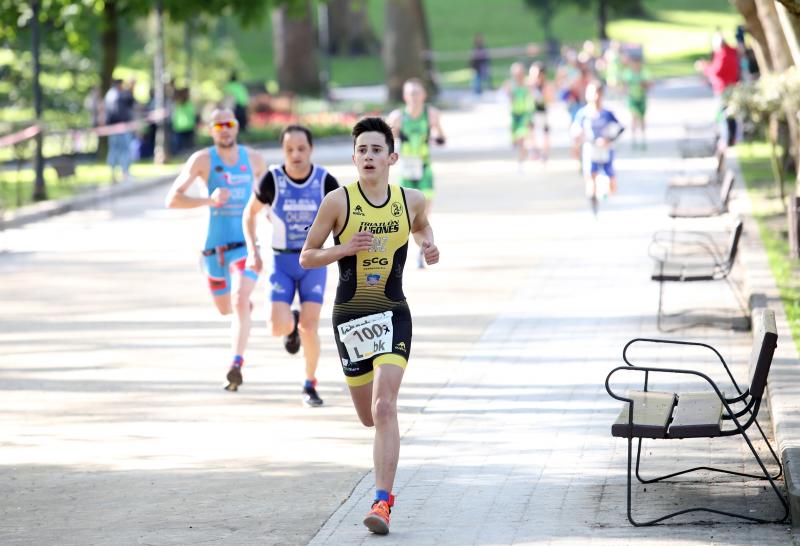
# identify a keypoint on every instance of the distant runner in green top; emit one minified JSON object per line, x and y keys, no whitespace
{"x":237,"y":91}
{"x":413,"y":126}
{"x":522,"y":107}
{"x":636,"y":80}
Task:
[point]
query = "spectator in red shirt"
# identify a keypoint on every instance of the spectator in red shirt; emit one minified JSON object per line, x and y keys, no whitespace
{"x":722,"y":72}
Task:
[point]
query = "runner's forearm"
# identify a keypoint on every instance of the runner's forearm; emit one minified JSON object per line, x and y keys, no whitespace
{"x":311,"y":258}
{"x":182,"y":201}
{"x":423,"y":234}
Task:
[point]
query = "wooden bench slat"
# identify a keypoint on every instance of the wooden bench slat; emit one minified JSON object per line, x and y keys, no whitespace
{"x":697,"y":415}
{"x":651,"y":415}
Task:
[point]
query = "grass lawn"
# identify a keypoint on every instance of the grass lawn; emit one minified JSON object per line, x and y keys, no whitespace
{"x":754,"y":159}
{"x":16,"y":187}
{"x":677,"y":33}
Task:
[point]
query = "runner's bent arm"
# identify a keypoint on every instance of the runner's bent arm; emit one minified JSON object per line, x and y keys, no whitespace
{"x":420,"y":227}
{"x":394,"y":119}
{"x":196,"y":167}
{"x":249,"y":221}
{"x":436,"y":125}
{"x":330,"y":217}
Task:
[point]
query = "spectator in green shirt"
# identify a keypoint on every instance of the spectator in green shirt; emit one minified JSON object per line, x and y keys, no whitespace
{"x":237,"y":91}
{"x":183,"y":121}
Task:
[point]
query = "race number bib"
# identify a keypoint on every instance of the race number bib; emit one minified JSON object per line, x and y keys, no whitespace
{"x":412,"y":168}
{"x":599,"y":154}
{"x":367,"y":336}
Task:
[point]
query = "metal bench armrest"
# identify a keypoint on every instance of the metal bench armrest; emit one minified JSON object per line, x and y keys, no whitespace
{"x":683,"y":343}
{"x":649,"y":370}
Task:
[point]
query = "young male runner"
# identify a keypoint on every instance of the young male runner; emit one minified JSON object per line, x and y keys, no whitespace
{"x":292,"y":192}
{"x":636,"y":79}
{"x":228,"y":171}
{"x":371,"y":221}
{"x":542,"y":97}
{"x":413,"y":126}
{"x":521,"y":111}
{"x":596,"y":128}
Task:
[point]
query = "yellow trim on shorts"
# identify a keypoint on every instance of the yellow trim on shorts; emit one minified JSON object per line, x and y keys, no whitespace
{"x":380,"y":360}
{"x":390,"y":358}
{"x":360,"y":380}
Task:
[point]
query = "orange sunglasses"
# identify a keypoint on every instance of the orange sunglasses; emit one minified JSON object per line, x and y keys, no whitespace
{"x":219,"y":125}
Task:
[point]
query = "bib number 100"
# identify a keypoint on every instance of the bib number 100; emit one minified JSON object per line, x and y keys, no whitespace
{"x":369,"y":332}
{"x":367,"y":336}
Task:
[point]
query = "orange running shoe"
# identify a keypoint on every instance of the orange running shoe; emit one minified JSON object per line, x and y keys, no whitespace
{"x":377,"y":520}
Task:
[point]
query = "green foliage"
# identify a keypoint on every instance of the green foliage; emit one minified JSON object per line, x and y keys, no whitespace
{"x":16,"y":186}
{"x":769,"y":95}
{"x":754,"y":159}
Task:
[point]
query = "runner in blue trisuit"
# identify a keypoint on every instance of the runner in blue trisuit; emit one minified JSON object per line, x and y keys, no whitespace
{"x":228,"y":171}
{"x":292,"y":193}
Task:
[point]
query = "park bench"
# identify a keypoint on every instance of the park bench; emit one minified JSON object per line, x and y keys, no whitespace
{"x":710,"y":204}
{"x":700,"y":140}
{"x":671,"y":415}
{"x":700,"y":179}
{"x":693,"y":256}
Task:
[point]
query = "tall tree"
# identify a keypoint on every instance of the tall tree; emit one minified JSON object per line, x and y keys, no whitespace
{"x":789,"y":18}
{"x":39,"y":189}
{"x":779,"y":48}
{"x":295,"y":48}
{"x":405,"y":46}
{"x":349,"y":28}
{"x":747,"y":8}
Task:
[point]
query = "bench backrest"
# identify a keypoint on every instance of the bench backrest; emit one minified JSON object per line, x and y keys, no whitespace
{"x":720,"y":170}
{"x":765,"y":339}
{"x":736,"y":236}
{"x":725,"y":188}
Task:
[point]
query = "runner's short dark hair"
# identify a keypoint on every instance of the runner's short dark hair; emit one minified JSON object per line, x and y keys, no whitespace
{"x":296,"y":129}
{"x":374,"y":125}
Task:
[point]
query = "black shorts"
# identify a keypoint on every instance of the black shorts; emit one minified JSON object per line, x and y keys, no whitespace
{"x":361,"y":372}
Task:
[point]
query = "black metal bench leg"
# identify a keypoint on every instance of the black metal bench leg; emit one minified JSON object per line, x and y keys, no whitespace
{"x":766,"y":475}
{"x":659,"y":316}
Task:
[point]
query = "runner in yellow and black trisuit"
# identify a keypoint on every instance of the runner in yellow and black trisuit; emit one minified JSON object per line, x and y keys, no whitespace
{"x":371,"y":221}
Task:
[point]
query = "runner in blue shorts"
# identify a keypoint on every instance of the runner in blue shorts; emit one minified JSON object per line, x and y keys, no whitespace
{"x":597,"y":128}
{"x":293,"y":193}
{"x":228,"y":171}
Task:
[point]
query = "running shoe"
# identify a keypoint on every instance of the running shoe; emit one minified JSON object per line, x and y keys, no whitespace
{"x":311,"y":398}
{"x":377,"y":519}
{"x":234,"y":378}
{"x":292,"y":342}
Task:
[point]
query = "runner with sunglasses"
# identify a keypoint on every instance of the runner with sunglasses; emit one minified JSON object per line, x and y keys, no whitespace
{"x":228,"y":172}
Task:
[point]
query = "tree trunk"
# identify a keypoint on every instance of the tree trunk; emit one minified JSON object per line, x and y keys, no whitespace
{"x":39,"y":188}
{"x":782,"y":60}
{"x":602,"y":19}
{"x":295,"y":50}
{"x":350,"y":30}
{"x":160,"y":149}
{"x":753,"y":25}
{"x":109,"y":41}
{"x":404,"y":45}
{"x":779,"y":49}
{"x":790,"y":23}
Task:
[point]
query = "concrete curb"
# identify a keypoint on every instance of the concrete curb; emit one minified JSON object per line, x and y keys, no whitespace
{"x":46,"y":209}
{"x":783,"y":392}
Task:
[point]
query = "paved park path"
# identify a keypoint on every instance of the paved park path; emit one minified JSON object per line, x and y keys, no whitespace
{"x":114,"y":428}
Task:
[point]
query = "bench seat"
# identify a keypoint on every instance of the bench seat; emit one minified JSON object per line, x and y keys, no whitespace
{"x":651,"y":415}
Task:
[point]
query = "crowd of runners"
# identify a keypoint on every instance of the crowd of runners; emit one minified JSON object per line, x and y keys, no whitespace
{"x":371,"y":221}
